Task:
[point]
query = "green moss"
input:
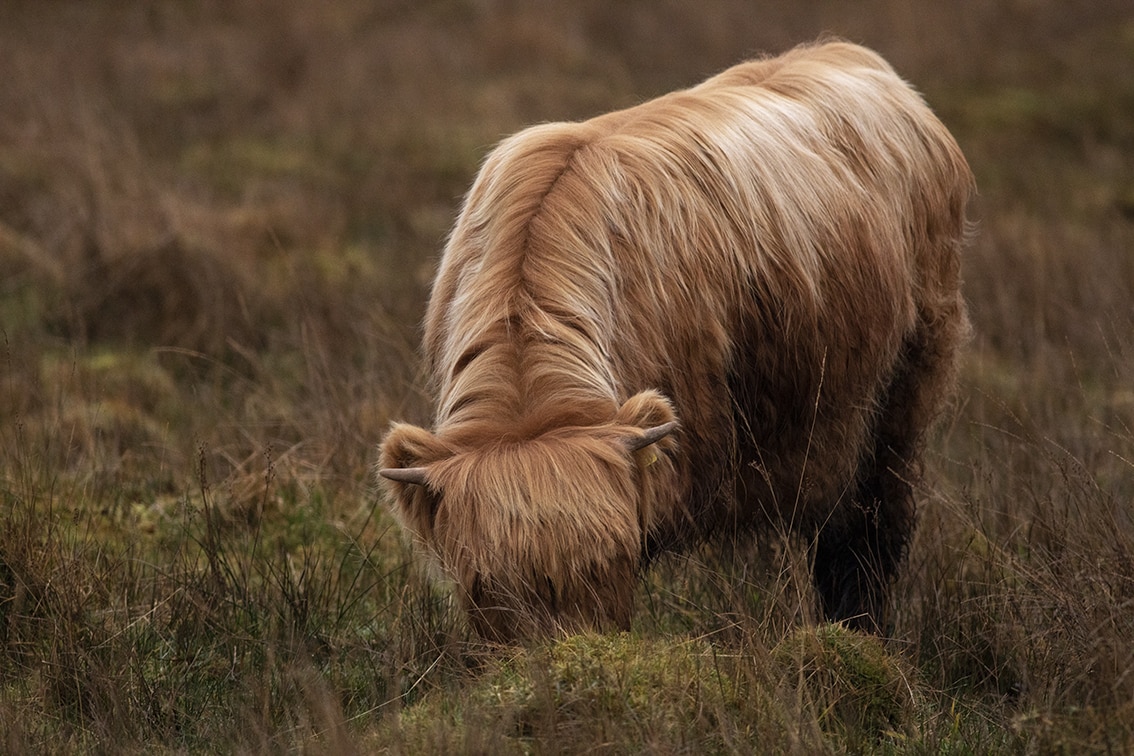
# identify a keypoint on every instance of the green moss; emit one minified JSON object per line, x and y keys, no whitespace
{"x":859,"y":691}
{"x":822,"y":688}
{"x":615,"y":689}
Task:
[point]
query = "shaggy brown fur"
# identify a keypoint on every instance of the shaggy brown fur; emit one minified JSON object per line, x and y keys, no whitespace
{"x":771,"y":258}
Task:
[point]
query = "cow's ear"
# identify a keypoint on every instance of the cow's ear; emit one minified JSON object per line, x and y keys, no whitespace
{"x":650,"y":415}
{"x":405,"y":455}
{"x":406,"y":448}
{"x":647,"y":423}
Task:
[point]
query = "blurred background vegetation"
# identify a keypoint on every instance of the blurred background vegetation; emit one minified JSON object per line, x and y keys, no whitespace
{"x":218,"y":224}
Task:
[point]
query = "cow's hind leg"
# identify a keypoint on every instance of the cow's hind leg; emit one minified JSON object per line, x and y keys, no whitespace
{"x":856,"y":561}
{"x":857,"y":557}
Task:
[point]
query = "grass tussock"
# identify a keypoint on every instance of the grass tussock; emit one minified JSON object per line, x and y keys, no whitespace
{"x":218,"y":224}
{"x":623,"y":693}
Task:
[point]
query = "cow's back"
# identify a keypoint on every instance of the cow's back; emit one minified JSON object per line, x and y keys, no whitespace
{"x":755,"y":247}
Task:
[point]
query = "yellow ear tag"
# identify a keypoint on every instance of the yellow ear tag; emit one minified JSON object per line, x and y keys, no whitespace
{"x":653,"y":456}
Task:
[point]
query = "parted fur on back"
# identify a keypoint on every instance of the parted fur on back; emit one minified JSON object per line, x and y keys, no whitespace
{"x":807,"y":208}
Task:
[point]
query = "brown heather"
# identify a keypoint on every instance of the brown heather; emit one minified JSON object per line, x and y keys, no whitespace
{"x":219,"y":222}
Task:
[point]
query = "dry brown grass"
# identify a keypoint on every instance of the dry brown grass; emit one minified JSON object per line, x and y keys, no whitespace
{"x":218,"y":222}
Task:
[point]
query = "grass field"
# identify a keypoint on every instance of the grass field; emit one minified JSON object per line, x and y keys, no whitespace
{"x":218,"y":224}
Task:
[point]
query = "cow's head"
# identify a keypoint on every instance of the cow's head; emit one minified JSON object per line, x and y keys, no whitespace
{"x":543,"y":534}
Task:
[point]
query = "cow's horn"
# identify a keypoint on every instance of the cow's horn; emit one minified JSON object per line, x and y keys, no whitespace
{"x":414,"y":475}
{"x":651,"y":436}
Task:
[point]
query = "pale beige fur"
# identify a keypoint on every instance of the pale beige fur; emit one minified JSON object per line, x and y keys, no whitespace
{"x":772,"y":258}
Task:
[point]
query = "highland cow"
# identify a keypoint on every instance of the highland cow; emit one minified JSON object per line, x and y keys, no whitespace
{"x":734,"y":306}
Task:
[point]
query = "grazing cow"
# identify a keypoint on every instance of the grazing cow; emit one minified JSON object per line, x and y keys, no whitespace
{"x":735,"y":305}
